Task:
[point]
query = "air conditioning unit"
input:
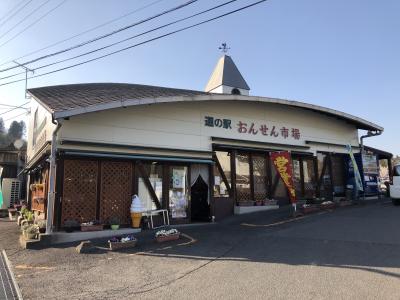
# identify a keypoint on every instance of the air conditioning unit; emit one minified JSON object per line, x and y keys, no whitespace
{"x":11,"y":188}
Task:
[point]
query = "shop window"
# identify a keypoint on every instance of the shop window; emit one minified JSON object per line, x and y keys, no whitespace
{"x":243,"y":193}
{"x":338,"y":171}
{"x":155,"y":176}
{"x":259,"y":177}
{"x":310,"y":181}
{"x":178,"y":192}
{"x":220,"y":187}
{"x":297,"y":177}
{"x":324,"y":176}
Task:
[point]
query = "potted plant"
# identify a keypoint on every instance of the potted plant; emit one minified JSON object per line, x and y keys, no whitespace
{"x":42,"y":226}
{"x":70,"y":225}
{"x":167,"y":235}
{"x":114,"y":223}
{"x":91,"y":226}
{"x":122,"y":242}
{"x":309,"y":208}
{"x":259,"y":202}
{"x":31,"y":232}
{"x":327,"y":205}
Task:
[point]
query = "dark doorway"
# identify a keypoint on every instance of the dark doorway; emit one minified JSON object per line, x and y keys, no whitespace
{"x":200,"y":209}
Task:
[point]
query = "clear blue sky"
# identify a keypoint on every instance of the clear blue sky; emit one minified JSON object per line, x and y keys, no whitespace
{"x":341,"y":54}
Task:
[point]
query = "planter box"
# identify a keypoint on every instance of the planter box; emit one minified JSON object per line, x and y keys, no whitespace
{"x":328,"y":206}
{"x":120,"y":245}
{"x":167,"y":238}
{"x":86,"y":228}
{"x":310,"y":209}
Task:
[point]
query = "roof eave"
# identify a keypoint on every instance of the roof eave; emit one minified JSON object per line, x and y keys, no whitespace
{"x":359,"y":122}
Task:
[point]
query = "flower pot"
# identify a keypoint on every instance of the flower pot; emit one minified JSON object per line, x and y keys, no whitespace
{"x":122,"y":245}
{"x":30,"y":236}
{"x":114,"y":227}
{"x":165,"y":238}
{"x":86,"y":228}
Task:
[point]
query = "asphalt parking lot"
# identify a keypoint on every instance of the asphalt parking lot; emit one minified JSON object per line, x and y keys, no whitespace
{"x":349,"y":253}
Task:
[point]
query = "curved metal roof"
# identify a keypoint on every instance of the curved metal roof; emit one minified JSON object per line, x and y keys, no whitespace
{"x":75,"y":99}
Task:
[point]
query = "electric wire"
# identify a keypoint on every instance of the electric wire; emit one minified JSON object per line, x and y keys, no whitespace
{"x":15,"y":13}
{"x":124,"y":40}
{"x":21,"y":106}
{"x":104,"y":35}
{"x":12,"y":9}
{"x":83,"y":32}
{"x":141,"y":43}
{"x":24,"y":113}
{"x":33,"y":23}
{"x":25,"y":18}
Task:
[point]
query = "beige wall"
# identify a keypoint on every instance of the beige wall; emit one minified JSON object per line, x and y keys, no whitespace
{"x":181,"y":125}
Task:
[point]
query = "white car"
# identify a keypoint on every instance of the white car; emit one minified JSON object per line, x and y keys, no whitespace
{"x":395,"y":186}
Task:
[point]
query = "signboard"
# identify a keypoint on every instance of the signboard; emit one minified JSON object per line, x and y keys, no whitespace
{"x":283,"y":164}
{"x":253,"y":128}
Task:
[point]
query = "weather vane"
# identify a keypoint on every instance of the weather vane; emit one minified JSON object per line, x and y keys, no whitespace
{"x":224,"y":48}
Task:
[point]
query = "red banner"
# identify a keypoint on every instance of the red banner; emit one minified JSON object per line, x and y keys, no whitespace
{"x":283,"y":164}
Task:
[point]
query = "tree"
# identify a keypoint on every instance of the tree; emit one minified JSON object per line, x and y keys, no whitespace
{"x":16,"y":130}
{"x":2,"y":128}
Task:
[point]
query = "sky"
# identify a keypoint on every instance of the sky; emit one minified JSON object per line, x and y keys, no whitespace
{"x":341,"y":54}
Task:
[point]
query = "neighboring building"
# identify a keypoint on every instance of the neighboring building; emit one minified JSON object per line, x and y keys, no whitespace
{"x":198,"y":154}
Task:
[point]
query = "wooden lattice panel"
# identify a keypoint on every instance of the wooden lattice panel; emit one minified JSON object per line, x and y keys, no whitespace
{"x":243,"y":192}
{"x":80,"y":190}
{"x":260,"y":178}
{"x":116,"y":191}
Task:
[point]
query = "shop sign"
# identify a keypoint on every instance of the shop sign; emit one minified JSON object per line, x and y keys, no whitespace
{"x":283,"y":164}
{"x":253,"y":128}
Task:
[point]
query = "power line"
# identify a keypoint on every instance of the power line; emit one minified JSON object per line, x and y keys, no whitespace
{"x":15,"y":13}
{"x":33,"y":23}
{"x":124,"y":40}
{"x":84,"y":32}
{"x":105,"y":35}
{"x":142,"y":43}
{"x":21,"y":106}
{"x":25,"y":18}
{"x":24,"y":113}
{"x":8,"y":105}
{"x":12,"y":9}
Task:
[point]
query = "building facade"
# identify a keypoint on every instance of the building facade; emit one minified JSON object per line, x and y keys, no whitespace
{"x":197,"y":154}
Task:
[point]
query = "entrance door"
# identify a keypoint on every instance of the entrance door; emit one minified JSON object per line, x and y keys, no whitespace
{"x":200,"y":209}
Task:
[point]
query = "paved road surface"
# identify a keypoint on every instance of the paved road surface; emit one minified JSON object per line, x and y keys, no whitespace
{"x":351,"y":253}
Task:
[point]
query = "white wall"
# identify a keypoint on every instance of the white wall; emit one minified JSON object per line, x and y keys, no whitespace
{"x":42,"y":136}
{"x":181,"y":125}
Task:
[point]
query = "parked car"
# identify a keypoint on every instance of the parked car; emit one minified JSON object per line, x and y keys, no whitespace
{"x":395,"y":185}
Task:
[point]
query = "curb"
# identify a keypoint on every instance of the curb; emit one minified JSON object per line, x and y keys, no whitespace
{"x":9,"y":267}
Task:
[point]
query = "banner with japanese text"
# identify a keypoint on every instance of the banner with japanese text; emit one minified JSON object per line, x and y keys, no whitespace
{"x":283,"y":164}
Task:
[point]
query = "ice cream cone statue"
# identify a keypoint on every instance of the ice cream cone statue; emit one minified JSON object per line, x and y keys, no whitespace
{"x":136,"y":211}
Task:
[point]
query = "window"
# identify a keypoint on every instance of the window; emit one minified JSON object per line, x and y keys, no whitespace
{"x":220,"y":188}
{"x":154,"y":173}
{"x":324,"y":177}
{"x":243,"y":192}
{"x":235,"y":91}
{"x":178,"y":192}
{"x":310,"y":181}
{"x":259,"y":177}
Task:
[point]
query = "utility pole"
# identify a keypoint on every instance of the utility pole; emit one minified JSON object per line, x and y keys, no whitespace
{"x":26,"y":77}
